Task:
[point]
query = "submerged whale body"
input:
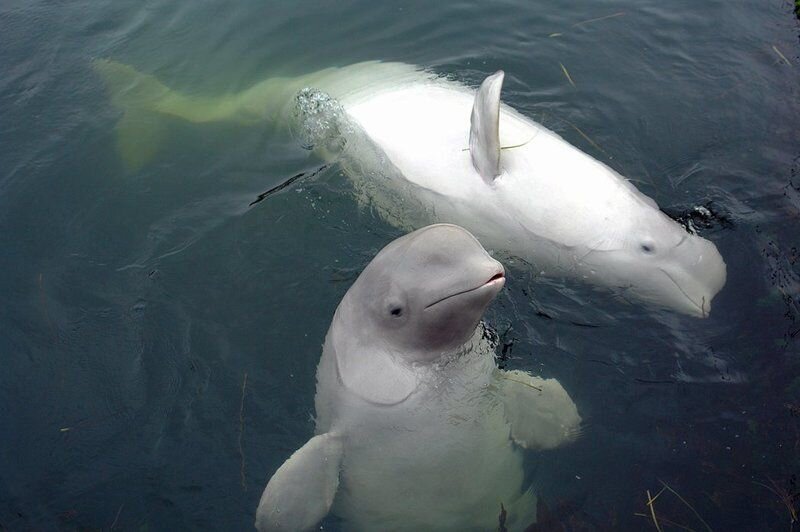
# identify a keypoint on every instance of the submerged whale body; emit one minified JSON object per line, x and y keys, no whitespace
{"x":425,"y":149}
{"x":416,"y":427}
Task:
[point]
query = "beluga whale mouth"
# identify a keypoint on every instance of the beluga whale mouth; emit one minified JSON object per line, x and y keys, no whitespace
{"x":494,"y":283}
{"x":702,"y":307}
{"x":500,"y":276}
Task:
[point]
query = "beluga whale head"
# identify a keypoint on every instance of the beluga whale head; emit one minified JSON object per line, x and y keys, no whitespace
{"x":420,"y":298}
{"x":656,"y":260}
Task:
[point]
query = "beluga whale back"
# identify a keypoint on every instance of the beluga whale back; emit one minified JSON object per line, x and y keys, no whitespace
{"x":422,"y":149}
{"x":416,"y":427}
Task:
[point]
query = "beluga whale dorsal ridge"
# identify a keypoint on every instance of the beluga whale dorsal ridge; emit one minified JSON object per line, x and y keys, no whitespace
{"x":413,"y":138}
{"x":408,"y":393}
{"x":484,"y":132}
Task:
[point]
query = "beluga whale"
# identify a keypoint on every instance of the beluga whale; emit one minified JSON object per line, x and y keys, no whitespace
{"x":421,"y":149}
{"x":416,"y":427}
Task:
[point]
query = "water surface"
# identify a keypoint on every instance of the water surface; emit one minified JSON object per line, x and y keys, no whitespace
{"x":159,"y":335}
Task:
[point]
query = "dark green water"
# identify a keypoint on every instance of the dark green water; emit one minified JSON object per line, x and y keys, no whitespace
{"x":135,"y":304}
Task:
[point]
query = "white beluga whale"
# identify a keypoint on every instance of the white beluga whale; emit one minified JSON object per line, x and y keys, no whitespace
{"x":423,"y":149}
{"x":416,"y":427}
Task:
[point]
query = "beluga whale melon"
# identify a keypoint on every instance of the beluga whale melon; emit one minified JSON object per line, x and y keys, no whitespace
{"x":422,"y":149}
{"x":416,"y":427}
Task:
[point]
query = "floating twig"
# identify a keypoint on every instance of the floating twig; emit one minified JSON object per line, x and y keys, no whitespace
{"x":505,"y":376}
{"x":241,"y":431}
{"x":585,"y":136}
{"x":658,"y":521}
{"x":88,"y":422}
{"x":518,"y":145}
{"x":696,"y":513}
{"x":598,"y":19}
{"x":521,"y":144}
{"x":783,"y":57}
{"x":569,"y":78}
{"x":117,"y":517}
{"x":785,"y":497}
{"x":650,"y":501}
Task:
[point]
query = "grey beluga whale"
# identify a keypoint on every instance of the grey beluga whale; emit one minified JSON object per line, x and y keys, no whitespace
{"x":422,"y":149}
{"x":416,"y":427}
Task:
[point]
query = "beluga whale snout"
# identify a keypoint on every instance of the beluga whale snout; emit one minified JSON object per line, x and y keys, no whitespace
{"x":657,"y":261}
{"x":698,"y":274}
{"x":421,"y":148}
{"x":408,"y":394}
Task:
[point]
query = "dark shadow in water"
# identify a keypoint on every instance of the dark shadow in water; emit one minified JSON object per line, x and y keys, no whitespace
{"x":287,"y":183}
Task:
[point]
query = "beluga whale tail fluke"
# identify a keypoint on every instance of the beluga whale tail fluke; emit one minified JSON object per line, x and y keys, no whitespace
{"x":413,"y":138}
{"x":140,"y":130}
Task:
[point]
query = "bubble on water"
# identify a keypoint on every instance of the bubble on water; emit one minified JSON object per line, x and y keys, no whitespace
{"x":320,"y":121}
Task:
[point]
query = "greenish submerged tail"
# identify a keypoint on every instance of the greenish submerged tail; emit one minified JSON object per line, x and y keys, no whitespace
{"x":140,"y":131}
{"x":146,"y":102}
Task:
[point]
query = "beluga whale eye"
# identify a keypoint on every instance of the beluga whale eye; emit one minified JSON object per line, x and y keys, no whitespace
{"x":648,"y":247}
{"x":395,"y":310}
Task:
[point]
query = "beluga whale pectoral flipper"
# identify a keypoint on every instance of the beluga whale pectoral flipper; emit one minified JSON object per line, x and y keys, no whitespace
{"x":437,"y":145}
{"x":539,"y":411}
{"x":408,"y":394}
{"x":301,"y":491}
